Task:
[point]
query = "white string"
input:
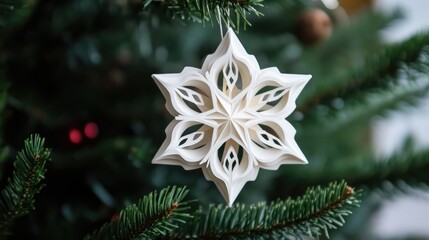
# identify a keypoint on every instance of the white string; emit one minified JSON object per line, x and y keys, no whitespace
{"x":219,"y":20}
{"x":228,"y":18}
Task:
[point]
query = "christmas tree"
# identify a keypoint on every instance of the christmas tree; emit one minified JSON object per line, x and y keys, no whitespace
{"x":78,"y":72}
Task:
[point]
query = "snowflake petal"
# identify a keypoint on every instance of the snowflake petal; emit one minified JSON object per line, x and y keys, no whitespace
{"x":273,"y":144}
{"x":187,"y":93}
{"x":190,"y":140}
{"x":230,"y":168}
{"x":275,"y":93}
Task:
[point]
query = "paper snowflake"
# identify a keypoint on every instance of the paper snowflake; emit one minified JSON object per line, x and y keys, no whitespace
{"x":230,"y":118}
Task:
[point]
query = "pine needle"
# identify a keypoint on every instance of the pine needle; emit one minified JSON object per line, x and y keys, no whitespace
{"x":379,"y":71}
{"x":155,"y":215}
{"x":230,"y":12}
{"x":312,"y":214}
{"x":376,"y":103}
{"x":18,"y":196}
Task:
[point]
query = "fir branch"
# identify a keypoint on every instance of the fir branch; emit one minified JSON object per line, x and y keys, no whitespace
{"x":377,"y":72}
{"x":319,"y":209}
{"x":405,"y":166}
{"x":376,"y":103}
{"x":401,"y":173}
{"x":204,"y":10}
{"x":390,"y":190}
{"x":17,"y":197}
{"x":155,"y":215}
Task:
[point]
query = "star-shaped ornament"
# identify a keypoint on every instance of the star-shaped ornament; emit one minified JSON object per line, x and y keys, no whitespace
{"x":230,"y":118}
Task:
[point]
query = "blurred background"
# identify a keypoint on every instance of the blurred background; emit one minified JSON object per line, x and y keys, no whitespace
{"x":390,"y":133}
{"x":79,"y":73}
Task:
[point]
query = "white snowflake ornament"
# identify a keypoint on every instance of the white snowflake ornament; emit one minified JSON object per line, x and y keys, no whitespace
{"x":230,"y":118}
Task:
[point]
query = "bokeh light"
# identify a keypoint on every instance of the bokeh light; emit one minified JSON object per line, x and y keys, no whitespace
{"x":75,"y":136}
{"x":91,"y":130}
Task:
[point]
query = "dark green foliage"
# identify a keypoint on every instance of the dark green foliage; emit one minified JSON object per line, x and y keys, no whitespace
{"x":204,"y":10}
{"x":3,"y":93}
{"x":3,"y":97}
{"x":18,"y":196}
{"x":3,"y":155}
{"x":376,"y":103}
{"x":339,"y":63}
{"x":165,"y":214}
{"x":12,"y":13}
{"x":155,"y":215}
{"x":378,"y":71}
{"x":7,"y":10}
{"x":312,"y":214}
{"x":408,"y":165}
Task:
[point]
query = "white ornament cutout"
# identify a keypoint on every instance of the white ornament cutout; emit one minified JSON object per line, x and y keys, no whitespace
{"x":230,"y":118}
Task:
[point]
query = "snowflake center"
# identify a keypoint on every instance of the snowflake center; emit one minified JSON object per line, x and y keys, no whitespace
{"x":231,"y":113}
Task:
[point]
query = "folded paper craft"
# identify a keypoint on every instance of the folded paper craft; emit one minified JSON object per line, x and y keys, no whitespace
{"x":230,"y":118}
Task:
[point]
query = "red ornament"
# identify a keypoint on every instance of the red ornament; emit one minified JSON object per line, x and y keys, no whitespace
{"x":91,"y":130}
{"x":75,"y":136}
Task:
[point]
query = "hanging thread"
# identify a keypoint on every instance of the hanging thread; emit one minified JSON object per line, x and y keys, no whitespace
{"x":228,"y":18}
{"x":219,"y":20}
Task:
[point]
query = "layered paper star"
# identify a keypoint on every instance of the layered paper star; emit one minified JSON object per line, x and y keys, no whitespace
{"x":230,"y":118}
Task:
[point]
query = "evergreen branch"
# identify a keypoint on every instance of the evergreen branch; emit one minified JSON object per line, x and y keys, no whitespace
{"x":155,"y":215}
{"x":203,"y":10}
{"x":389,"y":190}
{"x":377,"y":103}
{"x":377,"y":72}
{"x":319,"y":209}
{"x":407,"y":165}
{"x":17,"y":197}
